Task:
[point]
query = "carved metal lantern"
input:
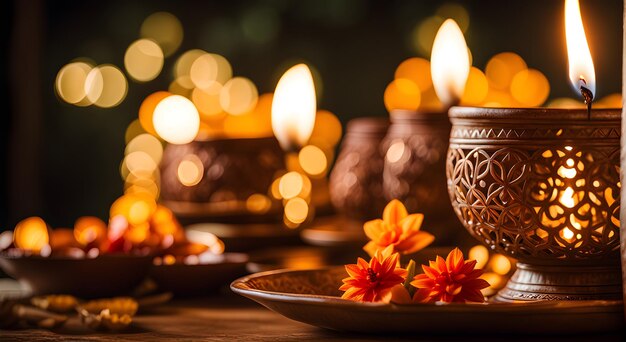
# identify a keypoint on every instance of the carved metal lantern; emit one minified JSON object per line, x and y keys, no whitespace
{"x":542,"y":186}
{"x":224,"y":180}
{"x":356,"y":180}
{"x":415,"y":161}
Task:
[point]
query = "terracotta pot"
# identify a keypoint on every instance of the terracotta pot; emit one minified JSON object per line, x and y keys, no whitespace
{"x":414,"y":173}
{"x":356,"y":179}
{"x":232,"y":171}
{"x":541,"y":185}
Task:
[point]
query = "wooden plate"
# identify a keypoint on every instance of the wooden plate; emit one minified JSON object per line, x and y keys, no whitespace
{"x":312,"y":297}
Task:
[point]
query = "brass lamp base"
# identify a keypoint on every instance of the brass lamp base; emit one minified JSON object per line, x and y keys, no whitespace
{"x":532,"y":283}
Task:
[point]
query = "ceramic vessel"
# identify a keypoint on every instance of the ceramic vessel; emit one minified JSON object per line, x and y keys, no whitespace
{"x":542,"y":186}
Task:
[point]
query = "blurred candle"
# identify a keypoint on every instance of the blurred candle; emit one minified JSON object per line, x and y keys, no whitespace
{"x":294,"y":107}
{"x":449,"y":63}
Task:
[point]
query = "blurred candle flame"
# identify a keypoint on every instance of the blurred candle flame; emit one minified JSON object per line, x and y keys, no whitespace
{"x":294,"y":107}
{"x":450,"y":63}
{"x":581,"y":70}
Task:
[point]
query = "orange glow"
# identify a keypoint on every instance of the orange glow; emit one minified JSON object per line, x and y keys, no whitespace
{"x":501,"y":69}
{"x":294,"y":107}
{"x":449,"y":63}
{"x":327,"y":129}
{"x":402,"y":93}
{"x":416,"y":70}
{"x":578,"y":54}
{"x":176,"y":120}
{"x":146,"y":110}
{"x":530,"y":88}
{"x":31,"y":234}
{"x":137,"y":208}
{"x":88,"y":229}
{"x":476,"y":89}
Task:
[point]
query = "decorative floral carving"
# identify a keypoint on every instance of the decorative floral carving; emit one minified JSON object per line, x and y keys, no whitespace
{"x":553,"y":203}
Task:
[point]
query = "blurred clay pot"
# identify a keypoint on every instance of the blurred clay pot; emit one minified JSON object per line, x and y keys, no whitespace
{"x":230,"y":171}
{"x":415,"y":170}
{"x":356,"y":179}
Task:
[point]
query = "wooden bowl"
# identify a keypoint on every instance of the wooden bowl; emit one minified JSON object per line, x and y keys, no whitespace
{"x":103,"y":276}
{"x":193,"y":280}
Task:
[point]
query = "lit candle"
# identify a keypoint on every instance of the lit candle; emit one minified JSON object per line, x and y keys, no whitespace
{"x":449,"y":63}
{"x":293,"y":108}
{"x":581,"y":71}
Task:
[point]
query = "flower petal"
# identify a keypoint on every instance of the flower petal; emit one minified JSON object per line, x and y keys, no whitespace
{"x":416,"y":242}
{"x":455,"y":260}
{"x":394,"y":212}
{"x":399,"y":295}
{"x":412,"y":222}
{"x":353,"y":270}
{"x":374,"y":229}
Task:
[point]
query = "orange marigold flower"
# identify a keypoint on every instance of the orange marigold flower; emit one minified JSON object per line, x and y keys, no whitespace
{"x":450,"y":280}
{"x":373,"y":281}
{"x":398,"y":229}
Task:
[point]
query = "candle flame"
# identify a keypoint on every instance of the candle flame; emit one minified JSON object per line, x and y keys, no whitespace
{"x":581,"y":71}
{"x":293,"y":107}
{"x":450,"y":63}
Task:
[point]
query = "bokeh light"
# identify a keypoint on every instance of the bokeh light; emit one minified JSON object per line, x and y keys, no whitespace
{"x":327,"y":130}
{"x":313,"y":160}
{"x":146,"y":110}
{"x":148,"y":144}
{"x":106,"y":86}
{"x":609,"y":101}
{"x":190,"y":170}
{"x":165,"y":29}
{"x":501,"y":69}
{"x":176,"y":120}
{"x":258,"y":203}
{"x":88,"y":229}
{"x":208,"y":68}
{"x":402,"y":93}
{"x":424,"y":34}
{"x":70,"y":83}
{"x":530,"y":88}
{"x":239,"y":95}
{"x":182,"y":67}
{"x":296,"y":210}
{"x":143,"y":60}
{"x":133,"y":130}
{"x":456,"y":12}
{"x":31,"y":234}
{"x":138,"y":163}
{"x":500,"y":264}
{"x":476,"y":88}
{"x":207,"y":99}
{"x":290,"y":185}
{"x":416,"y":70}
{"x":479,"y":253}
{"x":135,"y":208}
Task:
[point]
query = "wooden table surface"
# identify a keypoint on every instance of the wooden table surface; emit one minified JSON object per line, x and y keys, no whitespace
{"x":229,"y":317}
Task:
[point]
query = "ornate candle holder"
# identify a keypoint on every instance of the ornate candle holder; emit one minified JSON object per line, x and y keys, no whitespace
{"x":542,"y":186}
{"x":356,"y":180}
{"x":224,"y":180}
{"x":415,"y":149}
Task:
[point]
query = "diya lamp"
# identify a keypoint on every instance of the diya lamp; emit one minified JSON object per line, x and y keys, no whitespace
{"x":212,"y":178}
{"x":45,"y":261}
{"x":356,"y":180}
{"x":542,"y":186}
{"x":417,"y":140}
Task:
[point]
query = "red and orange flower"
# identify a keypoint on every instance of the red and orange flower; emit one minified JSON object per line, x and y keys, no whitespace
{"x":450,"y":280}
{"x":397,"y":229}
{"x":373,"y":281}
